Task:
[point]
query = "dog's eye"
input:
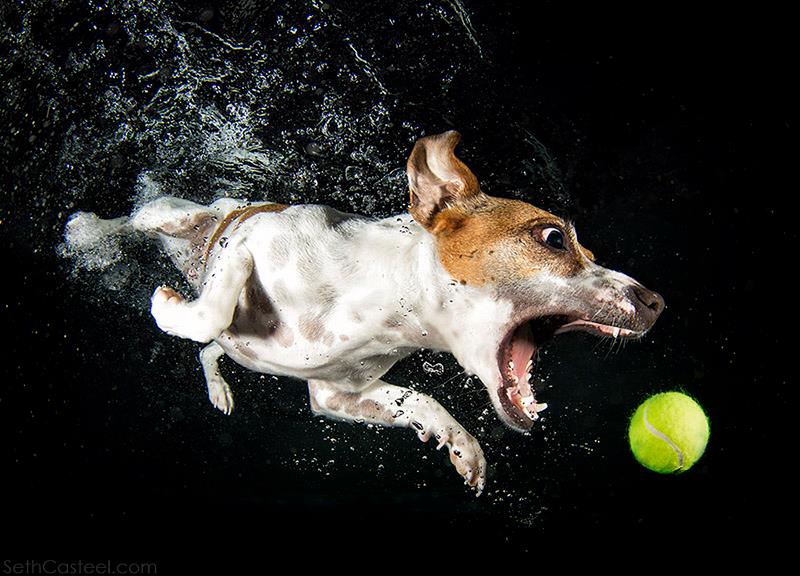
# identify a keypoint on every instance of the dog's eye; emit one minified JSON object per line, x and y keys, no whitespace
{"x":553,"y":237}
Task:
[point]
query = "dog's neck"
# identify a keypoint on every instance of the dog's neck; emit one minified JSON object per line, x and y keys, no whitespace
{"x":452,"y":315}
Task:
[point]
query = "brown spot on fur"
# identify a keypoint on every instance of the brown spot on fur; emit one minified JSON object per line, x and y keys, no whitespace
{"x":245,"y":350}
{"x":194,"y":227}
{"x":327,"y":295}
{"x":351,"y":404}
{"x":189,"y":228}
{"x":283,"y":334}
{"x":312,"y":327}
{"x":356,"y":316}
{"x":344,"y":337}
{"x":239,"y":214}
{"x":394,"y":321}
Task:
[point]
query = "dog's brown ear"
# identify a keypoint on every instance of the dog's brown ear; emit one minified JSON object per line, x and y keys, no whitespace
{"x":436,"y":178}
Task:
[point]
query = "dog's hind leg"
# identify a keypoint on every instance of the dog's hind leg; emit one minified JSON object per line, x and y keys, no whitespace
{"x":212,"y":312}
{"x":182,"y":227}
{"x":218,"y":390}
{"x":170,"y":216}
{"x":390,"y":405}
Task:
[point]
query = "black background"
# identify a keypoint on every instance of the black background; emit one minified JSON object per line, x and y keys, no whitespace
{"x":672,"y":130}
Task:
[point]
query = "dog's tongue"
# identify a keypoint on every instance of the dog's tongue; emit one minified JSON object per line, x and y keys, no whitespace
{"x":522,"y":350}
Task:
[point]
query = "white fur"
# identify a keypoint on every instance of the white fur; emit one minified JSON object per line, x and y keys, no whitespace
{"x":382,"y":271}
{"x":386,"y":296}
{"x":351,"y":296}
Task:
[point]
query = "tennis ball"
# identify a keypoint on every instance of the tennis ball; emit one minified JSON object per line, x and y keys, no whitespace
{"x":668,"y":432}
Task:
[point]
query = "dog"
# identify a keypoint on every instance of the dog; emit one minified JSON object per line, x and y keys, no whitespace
{"x":336,"y":299}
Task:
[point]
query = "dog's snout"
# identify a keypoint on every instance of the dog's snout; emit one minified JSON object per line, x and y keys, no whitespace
{"x":652,"y":301}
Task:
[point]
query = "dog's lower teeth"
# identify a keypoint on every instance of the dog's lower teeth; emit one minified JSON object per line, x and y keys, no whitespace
{"x":531,"y":407}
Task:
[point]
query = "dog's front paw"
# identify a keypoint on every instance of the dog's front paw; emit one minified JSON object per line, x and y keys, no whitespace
{"x":466,"y":453}
{"x":220,"y":395}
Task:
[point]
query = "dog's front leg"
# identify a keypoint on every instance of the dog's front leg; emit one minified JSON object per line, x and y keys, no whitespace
{"x":218,"y":390}
{"x":390,"y":405}
{"x":205,"y":318}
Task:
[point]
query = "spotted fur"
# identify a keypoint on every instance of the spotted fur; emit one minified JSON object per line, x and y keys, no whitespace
{"x":337,"y":299}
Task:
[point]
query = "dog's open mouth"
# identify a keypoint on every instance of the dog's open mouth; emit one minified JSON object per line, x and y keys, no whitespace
{"x":517,"y":353}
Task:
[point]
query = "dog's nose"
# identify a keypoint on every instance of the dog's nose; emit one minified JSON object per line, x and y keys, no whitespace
{"x":652,"y":301}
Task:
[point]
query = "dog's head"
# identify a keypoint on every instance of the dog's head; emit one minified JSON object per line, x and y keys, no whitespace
{"x":520,"y":254}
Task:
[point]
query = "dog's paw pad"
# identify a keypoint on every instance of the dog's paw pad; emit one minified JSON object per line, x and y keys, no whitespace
{"x":166,"y":295}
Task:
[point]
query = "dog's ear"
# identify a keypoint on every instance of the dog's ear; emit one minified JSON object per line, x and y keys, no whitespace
{"x":436,"y":178}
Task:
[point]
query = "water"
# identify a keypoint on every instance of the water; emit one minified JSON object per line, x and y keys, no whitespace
{"x":110,"y":104}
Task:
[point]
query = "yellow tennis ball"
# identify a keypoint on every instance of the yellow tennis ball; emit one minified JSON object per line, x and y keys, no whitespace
{"x":668,"y":432}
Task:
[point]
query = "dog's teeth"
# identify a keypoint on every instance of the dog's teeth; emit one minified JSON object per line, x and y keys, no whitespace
{"x":615,"y":332}
{"x":530,"y":413}
{"x":528,"y":377}
{"x":529,"y":406}
{"x":528,"y":365}
{"x":511,"y":364}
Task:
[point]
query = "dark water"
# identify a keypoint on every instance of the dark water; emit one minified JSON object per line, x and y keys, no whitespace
{"x":662,"y":139}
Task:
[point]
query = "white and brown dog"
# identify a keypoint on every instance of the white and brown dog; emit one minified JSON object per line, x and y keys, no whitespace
{"x":336,"y":299}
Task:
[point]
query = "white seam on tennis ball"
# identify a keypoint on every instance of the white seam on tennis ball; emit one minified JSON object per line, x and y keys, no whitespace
{"x":658,"y":434}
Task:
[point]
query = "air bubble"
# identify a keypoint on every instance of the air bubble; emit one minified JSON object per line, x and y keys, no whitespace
{"x":437,"y":369}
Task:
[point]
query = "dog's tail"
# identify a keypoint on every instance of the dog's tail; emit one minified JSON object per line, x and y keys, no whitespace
{"x":92,"y":242}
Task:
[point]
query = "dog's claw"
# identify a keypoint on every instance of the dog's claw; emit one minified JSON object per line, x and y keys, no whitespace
{"x":222,"y":399}
{"x":466,"y":453}
{"x":480,"y":486}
